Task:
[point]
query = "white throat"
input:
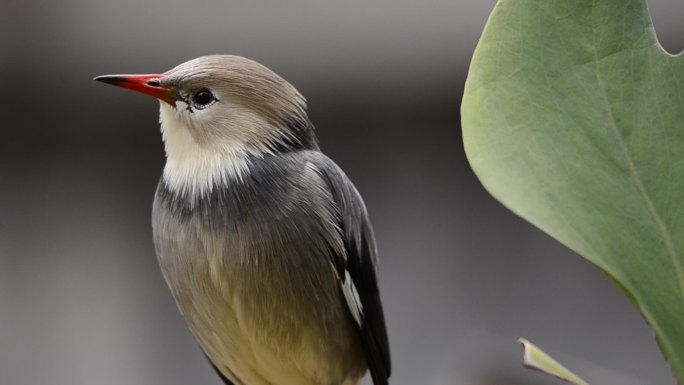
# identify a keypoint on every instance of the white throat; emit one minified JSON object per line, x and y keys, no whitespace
{"x":193,"y":169}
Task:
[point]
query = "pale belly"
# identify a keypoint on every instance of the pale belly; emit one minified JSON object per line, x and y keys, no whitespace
{"x":264,"y":325}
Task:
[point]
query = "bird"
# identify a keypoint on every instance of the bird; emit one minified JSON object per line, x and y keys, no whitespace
{"x":263,"y":241}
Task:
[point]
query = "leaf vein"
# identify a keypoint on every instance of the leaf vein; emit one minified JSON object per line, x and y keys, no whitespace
{"x":662,"y":229}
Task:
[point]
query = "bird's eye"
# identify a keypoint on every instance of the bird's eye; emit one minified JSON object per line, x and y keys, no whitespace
{"x":202,"y":98}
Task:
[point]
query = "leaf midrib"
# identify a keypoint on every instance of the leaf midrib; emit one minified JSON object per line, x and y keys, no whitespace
{"x":662,"y":229}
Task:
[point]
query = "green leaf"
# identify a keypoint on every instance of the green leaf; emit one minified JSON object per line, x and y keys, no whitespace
{"x":535,"y":358}
{"x":573,"y":117}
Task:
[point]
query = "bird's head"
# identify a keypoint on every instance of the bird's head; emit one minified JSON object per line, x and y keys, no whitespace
{"x":218,"y":111}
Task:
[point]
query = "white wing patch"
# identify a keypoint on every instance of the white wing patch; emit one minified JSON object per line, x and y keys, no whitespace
{"x":352,"y":297}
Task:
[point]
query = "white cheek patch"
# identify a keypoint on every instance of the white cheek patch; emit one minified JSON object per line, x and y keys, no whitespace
{"x":192,"y":169}
{"x":181,"y":104}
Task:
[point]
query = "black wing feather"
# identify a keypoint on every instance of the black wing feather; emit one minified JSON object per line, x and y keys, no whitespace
{"x":360,"y":261}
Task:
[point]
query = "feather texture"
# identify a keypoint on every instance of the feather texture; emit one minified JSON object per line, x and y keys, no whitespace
{"x":359,"y":265}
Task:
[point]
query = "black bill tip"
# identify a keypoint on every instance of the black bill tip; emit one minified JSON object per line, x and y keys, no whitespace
{"x":111,"y":79}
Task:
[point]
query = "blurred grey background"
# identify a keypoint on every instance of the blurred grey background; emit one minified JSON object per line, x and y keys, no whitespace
{"x":81,"y":298}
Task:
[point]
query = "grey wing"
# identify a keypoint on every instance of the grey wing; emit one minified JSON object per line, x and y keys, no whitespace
{"x":357,"y":269}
